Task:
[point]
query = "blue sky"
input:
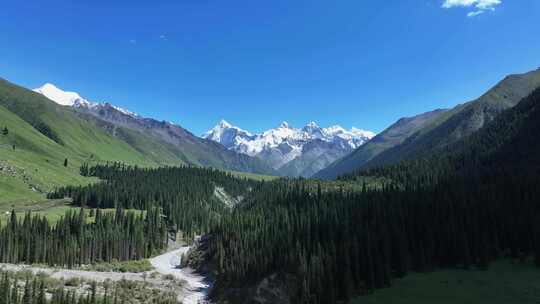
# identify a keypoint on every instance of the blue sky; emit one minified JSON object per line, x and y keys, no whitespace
{"x":257,"y":63}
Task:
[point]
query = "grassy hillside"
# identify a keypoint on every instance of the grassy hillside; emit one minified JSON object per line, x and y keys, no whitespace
{"x":505,"y":282}
{"x":152,"y":148}
{"x":36,"y":163}
{"x":253,"y":176}
{"x":415,"y":137}
{"x":43,"y":134}
{"x":62,"y":127}
{"x":463,"y":120}
{"x":389,"y":138}
{"x":168,"y":143}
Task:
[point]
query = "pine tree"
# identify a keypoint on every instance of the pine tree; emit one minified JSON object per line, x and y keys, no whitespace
{"x":93,"y":291}
{"x":27,"y":295}
{"x":41,"y":297}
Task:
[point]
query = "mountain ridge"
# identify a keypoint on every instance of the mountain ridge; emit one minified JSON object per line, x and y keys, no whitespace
{"x":145,"y":133}
{"x":43,"y":135}
{"x":439,"y":129}
{"x":463,"y":120}
{"x":291,"y":151}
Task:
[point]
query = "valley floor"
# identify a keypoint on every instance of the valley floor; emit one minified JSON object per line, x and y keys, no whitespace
{"x":190,"y":288}
{"x":196,"y":287}
{"x":505,"y":282}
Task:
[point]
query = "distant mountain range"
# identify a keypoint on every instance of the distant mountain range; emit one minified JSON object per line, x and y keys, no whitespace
{"x":155,"y":135}
{"x":291,"y":151}
{"x":48,"y":125}
{"x":425,"y":134}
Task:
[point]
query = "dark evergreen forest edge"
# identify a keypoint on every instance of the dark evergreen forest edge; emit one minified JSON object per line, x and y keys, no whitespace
{"x":469,"y":204}
{"x":72,"y":241}
{"x":185,"y":195}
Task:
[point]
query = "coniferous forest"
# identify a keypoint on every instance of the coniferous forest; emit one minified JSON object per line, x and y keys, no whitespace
{"x":471,"y":203}
{"x":73,"y":241}
{"x":186,"y":195}
{"x":464,"y":206}
{"x":270,"y":152}
{"x":468,"y":204}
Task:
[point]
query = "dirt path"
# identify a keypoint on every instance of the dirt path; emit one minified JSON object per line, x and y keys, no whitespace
{"x":196,"y":288}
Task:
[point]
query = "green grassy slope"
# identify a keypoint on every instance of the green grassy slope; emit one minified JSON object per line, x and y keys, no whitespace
{"x":64,"y":131}
{"x":391,"y":137}
{"x":463,"y":120}
{"x":153,"y":149}
{"x":436,"y":130}
{"x":505,"y":282}
{"x":36,"y":162}
{"x":44,"y":134}
{"x":170,"y":144}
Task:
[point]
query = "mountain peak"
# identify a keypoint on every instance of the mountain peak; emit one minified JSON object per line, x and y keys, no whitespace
{"x":226,"y":134}
{"x":286,"y":144}
{"x":312,"y":124}
{"x":48,"y":86}
{"x":73,"y":99}
{"x":285,"y":125}
{"x":224,"y":124}
{"x":59,"y":96}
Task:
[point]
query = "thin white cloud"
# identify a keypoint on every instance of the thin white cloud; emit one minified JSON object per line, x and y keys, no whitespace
{"x":480,"y":6}
{"x":133,"y":41}
{"x":475,"y":13}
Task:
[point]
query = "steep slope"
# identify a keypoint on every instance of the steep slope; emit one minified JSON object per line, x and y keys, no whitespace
{"x":316,"y":155}
{"x":391,"y":137}
{"x":230,"y":136}
{"x":463,"y":120}
{"x":44,"y":134}
{"x":506,"y":146}
{"x":443,"y":128}
{"x":176,"y":143}
{"x":161,"y":142}
{"x":62,"y":126}
{"x":485,"y":198}
{"x":41,"y":136}
{"x":291,"y":151}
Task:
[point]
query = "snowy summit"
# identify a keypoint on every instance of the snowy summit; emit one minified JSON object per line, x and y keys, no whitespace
{"x":73,"y":99}
{"x":61,"y":97}
{"x":286,"y":145}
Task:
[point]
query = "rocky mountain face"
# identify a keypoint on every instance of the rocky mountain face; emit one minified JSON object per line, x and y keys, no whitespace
{"x":393,"y":136}
{"x":291,"y":151}
{"x":151,"y":135}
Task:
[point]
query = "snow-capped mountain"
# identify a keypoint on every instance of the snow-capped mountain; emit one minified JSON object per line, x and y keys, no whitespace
{"x":292,"y":151}
{"x":171,"y":141}
{"x":73,"y":99}
{"x":228,"y":135}
{"x":64,"y":98}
